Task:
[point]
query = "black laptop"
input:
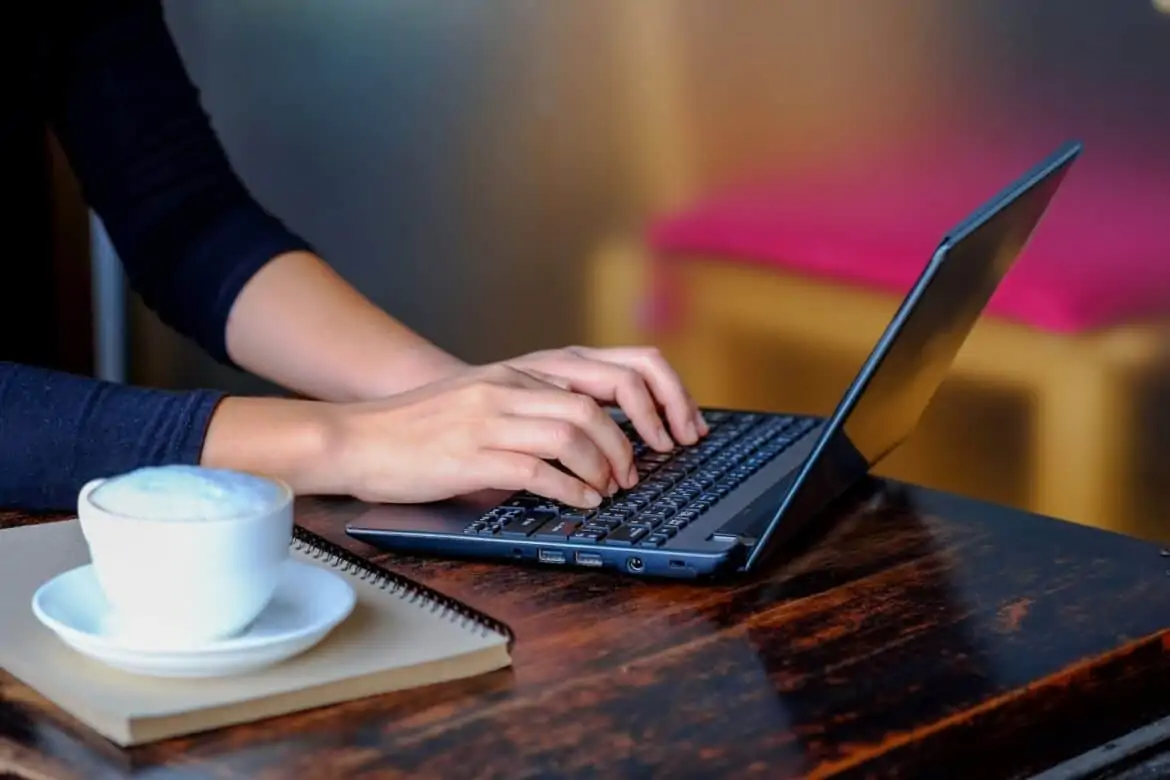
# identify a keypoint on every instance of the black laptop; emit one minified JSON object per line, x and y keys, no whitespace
{"x":729,"y":502}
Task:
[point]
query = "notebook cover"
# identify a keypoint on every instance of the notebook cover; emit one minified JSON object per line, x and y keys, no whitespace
{"x":400,"y":635}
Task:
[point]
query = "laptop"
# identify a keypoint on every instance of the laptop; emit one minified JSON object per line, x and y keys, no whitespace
{"x":728,"y":504}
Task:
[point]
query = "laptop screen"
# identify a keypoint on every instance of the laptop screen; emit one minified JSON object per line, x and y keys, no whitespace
{"x":916,"y":351}
{"x":914,"y":354}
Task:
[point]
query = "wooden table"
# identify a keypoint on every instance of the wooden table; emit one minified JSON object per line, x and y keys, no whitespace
{"x":922,"y":635}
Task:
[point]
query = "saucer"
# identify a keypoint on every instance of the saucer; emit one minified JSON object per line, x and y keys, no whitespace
{"x":309,"y":602}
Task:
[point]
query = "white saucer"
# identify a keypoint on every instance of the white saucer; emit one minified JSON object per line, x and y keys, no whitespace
{"x":309,"y":602}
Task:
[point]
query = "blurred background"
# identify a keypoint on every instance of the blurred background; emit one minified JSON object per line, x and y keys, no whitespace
{"x":493,"y":173}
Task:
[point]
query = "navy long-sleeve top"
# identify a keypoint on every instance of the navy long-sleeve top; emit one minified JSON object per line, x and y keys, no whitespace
{"x":106,"y":76}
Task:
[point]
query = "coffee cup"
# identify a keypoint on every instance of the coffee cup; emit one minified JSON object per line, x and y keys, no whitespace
{"x":183,"y":555}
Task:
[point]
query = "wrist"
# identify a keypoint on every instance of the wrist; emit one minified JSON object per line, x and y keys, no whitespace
{"x":291,"y":440}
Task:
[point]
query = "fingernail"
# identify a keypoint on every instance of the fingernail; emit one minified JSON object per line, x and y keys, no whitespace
{"x":692,"y":432}
{"x":612,"y":487}
{"x":664,"y":439}
{"x":592,"y":497}
{"x":704,"y":428}
{"x":633,"y":476}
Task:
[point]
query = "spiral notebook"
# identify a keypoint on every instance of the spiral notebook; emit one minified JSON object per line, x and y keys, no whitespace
{"x":400,"y":635}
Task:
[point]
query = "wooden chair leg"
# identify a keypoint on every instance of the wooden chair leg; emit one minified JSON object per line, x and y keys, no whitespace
{"x":1083,"y":442}
{"x":616,"y":281}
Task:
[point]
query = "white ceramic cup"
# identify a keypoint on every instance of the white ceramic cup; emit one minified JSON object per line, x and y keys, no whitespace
{"x":180,"y":583}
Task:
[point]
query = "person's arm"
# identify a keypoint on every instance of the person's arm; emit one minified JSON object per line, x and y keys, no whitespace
{"x":196,"y":246}
{"x":58,"y":431}
{"x":226,"y":273}
{"x":298,"y":323}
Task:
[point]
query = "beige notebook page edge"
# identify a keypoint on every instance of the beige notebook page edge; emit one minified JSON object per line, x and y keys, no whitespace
{"x":387,"y":643}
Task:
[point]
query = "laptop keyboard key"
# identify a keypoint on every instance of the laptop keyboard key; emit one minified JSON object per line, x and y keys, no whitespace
{"x":637,"y":502}
{"x":557,"y":530}
{"x":626,"y":536}
{"x":524,"y":526}
{"x":646,"y":493}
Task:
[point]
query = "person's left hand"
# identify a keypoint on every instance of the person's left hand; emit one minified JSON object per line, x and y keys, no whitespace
{"x":638,"y":379}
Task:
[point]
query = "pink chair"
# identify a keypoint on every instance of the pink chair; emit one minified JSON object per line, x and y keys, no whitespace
{"x":1100,"y":258}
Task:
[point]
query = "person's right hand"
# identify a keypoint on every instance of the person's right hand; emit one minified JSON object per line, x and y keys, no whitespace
{"x":491,"y":428}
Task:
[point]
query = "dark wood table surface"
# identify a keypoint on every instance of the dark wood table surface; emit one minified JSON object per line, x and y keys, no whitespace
{"x":921,"y":635}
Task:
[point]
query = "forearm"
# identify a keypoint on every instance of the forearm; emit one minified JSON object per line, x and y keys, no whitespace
{"x":59,"y":431}
{"x":299,"y":324}
{"x":284,"y":438}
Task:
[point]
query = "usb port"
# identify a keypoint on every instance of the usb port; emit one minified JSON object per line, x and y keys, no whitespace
{"x":551,"y":556}
{"x":588,"y":559}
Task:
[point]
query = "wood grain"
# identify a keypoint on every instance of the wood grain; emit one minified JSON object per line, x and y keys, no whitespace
{"x":921,"y":634}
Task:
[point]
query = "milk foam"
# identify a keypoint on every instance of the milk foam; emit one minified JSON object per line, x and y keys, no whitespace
{"x":187,"y":493}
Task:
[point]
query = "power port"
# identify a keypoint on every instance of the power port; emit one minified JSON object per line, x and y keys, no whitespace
{"x":635,"y":565}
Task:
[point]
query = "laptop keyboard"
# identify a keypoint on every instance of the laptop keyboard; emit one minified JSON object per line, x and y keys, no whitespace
{"x":674,"y":489}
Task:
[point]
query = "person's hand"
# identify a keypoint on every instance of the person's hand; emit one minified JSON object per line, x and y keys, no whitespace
{"x":495,"y":427}
{"x":638,"y":379}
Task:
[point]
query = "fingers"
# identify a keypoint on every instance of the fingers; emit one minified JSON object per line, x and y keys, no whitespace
{"x":552,"y":439}
{"x":681,"y":410}
{"x":517,"y":471}
{"x":610,"y":382}
{"x":682,"y":413}
{"x":585,"y":414}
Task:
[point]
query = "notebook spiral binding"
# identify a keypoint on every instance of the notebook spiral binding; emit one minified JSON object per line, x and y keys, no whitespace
{"x":413,"y":592}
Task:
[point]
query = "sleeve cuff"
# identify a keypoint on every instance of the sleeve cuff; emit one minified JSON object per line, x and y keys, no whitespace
{"x":60,"y":431}
{"x":233,"y":252}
